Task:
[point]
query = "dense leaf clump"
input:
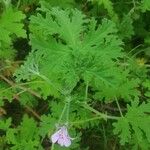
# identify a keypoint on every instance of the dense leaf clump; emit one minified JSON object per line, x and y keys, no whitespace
{"x":86,"y":68}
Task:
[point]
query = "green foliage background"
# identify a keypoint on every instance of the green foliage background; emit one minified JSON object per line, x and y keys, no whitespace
{"x":84,"y":63}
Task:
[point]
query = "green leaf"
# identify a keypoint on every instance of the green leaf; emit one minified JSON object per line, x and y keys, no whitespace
{"x":5,"y":124}
{"x":108,"y":5}
{"x":146,"y":84}
{"x":25,"y":137}
{"x":123,"y":127}
{"x":60,"y":3}
{"x":126,"y":29}
{"x":145,"y":5}
{"x":69,"y":28}
{"x":47,"y":125}
{"x":28,"y":128}
{"x":10,"y":23}
{"x":135,"y":123}
{"x":6,"y":93}
{"x":123,"y":88}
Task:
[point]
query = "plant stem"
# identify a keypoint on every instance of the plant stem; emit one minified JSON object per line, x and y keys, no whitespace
{"x":102,"y":115}
{"x":27,"y":107}
{"x":134,"y":5}
{"x":118,"y":107}
{"x":52,"y":147}
{"x":13,"y":85}
{"x":33,"y":112}
{"x":4,"y":68}
{"x":68,"y":100}
{"x":86,"y":91}
{"x":62,"y":113}
{"x":67,"y":106}
{"x":87,"y":120}
{"x":105,"y":138}
{"x":18,"y":4}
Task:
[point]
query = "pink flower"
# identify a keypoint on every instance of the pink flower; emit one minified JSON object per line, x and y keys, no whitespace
{"x":62,"y":137}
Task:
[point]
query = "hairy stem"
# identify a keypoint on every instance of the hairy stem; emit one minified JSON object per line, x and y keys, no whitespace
{"x":18,"y":4}
{"x":118,"y":107}
{"x":68,"y":100}
{"x":62,"y":113}
{"x":86,"y":91}
{"x":102,"y":115}
{"x":52,"y":146}
{"x":86,"y":120}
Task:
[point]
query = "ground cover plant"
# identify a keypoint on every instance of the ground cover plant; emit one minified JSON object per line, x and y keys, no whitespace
{"x":74,"y":74}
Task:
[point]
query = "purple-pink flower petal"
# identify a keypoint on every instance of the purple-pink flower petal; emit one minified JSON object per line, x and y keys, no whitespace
{"x":55,"y":137}
{"x":67,"y":142}
{"x":62,"y":137}
{"x":61,"y":141}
